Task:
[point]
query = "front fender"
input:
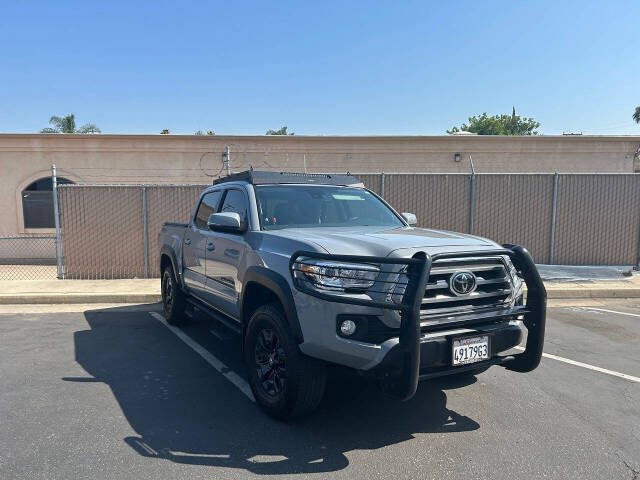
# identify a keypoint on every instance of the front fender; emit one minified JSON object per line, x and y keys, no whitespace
{"x":280,"y":287}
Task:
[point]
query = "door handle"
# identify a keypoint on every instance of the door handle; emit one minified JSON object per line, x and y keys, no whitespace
{"x":211,"y":247}
{"x":187,"y":241}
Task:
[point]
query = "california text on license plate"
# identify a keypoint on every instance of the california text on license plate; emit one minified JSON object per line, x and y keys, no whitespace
{"x":470,"y":350}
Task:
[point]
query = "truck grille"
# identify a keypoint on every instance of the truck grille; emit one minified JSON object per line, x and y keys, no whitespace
{"x":493,"y":289}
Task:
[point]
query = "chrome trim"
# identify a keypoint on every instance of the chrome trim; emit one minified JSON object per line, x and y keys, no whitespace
{"x":482,"y":281}
{"x":437,"y":292}
{"x":460,"y":310}
{"x":471,"y":296}
{"x":442,"y":284}
{"x":456,"y":330}
{"x":479,"y":268}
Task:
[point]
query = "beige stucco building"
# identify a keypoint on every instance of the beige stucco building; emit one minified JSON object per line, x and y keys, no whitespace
{"x":187,"y":159}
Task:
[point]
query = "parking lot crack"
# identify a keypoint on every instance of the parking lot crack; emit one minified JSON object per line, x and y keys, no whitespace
{"x":635,"y":474}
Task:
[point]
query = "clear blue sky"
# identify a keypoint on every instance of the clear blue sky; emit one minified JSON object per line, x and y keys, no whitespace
{"x":340,"y":68}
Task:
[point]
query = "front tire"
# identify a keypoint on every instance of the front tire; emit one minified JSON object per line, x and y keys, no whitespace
{"x":285,"y":382}
{"x":173,"y":301}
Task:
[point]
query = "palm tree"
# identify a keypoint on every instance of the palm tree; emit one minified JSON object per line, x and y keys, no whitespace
{"x":67,"y":124}
{"x":636,"y":115}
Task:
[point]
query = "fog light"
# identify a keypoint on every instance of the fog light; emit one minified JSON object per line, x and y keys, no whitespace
{"x":348,"y":327}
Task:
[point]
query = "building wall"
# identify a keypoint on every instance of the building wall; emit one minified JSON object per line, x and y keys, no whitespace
{"x":187,"y":159}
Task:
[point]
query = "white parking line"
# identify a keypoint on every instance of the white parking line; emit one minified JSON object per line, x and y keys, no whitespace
{"x":229,"y":374}
{"x":612,"y":311}
{"x":587,"y":366}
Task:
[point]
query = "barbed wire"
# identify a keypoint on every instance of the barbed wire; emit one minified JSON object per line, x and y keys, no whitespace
{"x":210,"y":164}
{"x":203,"y":169}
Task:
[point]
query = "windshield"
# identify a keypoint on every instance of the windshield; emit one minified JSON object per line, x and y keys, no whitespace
{"x":306,"y":206}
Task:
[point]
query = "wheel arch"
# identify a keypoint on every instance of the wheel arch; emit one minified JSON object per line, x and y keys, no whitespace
{"x":262,"y":285}
{"x":168,"y":257}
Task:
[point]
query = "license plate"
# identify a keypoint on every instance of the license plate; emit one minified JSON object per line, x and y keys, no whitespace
{"x":470,"y":350}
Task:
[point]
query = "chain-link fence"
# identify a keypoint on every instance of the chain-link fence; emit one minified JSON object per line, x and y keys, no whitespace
{"x":28,"y":257}
{"x":575,"y":219}
{"x":111,"y":231}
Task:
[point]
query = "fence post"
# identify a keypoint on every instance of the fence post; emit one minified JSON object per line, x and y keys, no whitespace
{"x":472,"y":202}
{"x":56,"y":217}
{"x":145,"y":225}
{"x":382,"y":184}
{"x":637,"y":265}
{"x":553,"y":219}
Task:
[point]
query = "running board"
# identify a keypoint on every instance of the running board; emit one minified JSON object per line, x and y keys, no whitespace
{"x":215,"y":315}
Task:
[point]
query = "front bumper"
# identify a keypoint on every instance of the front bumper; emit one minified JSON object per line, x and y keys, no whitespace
{"x":436,"y":348}
{"x":414,"y":356}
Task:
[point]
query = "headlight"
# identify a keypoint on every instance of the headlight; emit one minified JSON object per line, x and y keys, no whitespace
{"x":401,"y":280}
{"x":515,"y":279}
{"x":336,"y":275}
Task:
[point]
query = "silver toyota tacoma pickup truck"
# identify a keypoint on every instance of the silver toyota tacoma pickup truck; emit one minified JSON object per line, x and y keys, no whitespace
{"x":314,"y":270}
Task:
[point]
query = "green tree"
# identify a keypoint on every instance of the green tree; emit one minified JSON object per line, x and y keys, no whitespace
{"x":636,"y":115}
{"x":282,"y":131}
{"x":499,"y":125}
{"x":165,"y":131}
{"x":67,"y":124}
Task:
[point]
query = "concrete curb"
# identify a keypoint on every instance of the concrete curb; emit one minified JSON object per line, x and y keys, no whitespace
{"x":68,"y":298}
{"x":598,"y":292}
{"x":564,"y":291}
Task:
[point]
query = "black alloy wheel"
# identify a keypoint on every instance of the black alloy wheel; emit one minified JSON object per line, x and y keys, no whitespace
{"x":167,"y":292}
{"x":285,"y":382}
{"x":270,"y":362}
{"x":173,"y":299}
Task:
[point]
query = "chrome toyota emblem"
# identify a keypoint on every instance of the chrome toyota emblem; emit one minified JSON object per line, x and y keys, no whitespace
{"x":463,"y":283}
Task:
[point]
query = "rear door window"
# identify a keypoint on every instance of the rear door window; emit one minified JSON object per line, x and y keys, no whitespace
{"x":208,"y":205}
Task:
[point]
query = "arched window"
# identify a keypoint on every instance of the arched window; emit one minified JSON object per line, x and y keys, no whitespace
{"x":37,"y":203}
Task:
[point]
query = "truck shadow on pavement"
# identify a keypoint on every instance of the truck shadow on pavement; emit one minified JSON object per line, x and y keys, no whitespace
{"x":185,"y":411}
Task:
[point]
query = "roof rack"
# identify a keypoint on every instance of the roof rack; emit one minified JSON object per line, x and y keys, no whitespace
{"x":258,"y":177}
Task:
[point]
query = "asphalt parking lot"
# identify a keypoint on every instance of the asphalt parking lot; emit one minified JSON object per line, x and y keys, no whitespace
{"x":112,"y":392}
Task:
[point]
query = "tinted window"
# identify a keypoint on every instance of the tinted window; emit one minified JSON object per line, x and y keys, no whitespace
{"x":303,"y":206}
{"x":37,"y":203}
{"x":207,"y":207}
{"x":235,"y":201}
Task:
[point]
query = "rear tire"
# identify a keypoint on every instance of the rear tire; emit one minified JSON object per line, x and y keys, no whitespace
{"x":285,"y":382}
{"x":173,"y":299}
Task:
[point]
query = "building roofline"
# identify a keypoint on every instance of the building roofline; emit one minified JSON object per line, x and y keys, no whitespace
{"x":296,"y":138}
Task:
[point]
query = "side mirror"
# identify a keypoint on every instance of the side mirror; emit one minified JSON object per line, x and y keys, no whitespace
{"x":225,"y":222}
{"x":410,"y":218}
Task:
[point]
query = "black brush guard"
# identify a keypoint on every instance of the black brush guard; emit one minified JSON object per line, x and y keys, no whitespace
{"x":404,"y":382}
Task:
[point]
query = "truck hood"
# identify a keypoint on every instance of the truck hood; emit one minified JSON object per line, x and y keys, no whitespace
{"x":382,"y":241}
